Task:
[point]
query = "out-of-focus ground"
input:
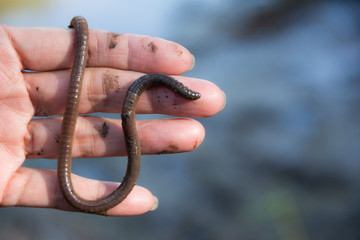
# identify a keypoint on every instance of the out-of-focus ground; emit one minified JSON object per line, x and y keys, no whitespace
{"x":281,"y":161}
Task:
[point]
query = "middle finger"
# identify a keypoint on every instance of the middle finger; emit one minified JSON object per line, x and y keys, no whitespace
{"x":104,"y":90}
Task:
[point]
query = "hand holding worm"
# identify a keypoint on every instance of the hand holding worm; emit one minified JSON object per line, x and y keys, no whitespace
{"x":49,"y":52}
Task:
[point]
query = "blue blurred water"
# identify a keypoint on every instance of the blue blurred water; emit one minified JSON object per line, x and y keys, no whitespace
{"x":281,"y":161}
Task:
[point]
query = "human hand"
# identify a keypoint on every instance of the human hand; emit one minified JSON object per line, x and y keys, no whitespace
{"x":115,"y":61}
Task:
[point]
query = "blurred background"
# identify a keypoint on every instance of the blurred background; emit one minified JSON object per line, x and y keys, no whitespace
{"x":281,"y":161}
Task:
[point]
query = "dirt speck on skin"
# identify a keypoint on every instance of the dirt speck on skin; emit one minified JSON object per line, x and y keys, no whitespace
{"x":175,"y":101}
{"x":110,"y":83}
{"x":171,"y":149}
{"x":195,"y":145}
{"x":113,"y":40}
{"x":110,"y":87}
{"x":153,"y":47}
{"x":40,"y":102}
{"x":104,"y":130}
{"x":40,"y":152}
{"x":178,"y":49}
{"x":57,"y":138}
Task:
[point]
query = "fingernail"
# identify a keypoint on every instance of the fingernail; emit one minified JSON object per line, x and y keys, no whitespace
{"x":224,"y":101}
{"x":156,"y":204}
{"x":192,"y":63}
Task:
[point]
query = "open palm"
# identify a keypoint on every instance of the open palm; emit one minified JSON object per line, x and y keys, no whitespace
{"x":115,"y":61}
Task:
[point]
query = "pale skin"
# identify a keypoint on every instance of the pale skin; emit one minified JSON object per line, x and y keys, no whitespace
{"x":115,"y":61}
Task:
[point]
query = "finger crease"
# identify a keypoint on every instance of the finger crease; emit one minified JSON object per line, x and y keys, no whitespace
{"x":12,"y":43}
{"x":15,"y":182}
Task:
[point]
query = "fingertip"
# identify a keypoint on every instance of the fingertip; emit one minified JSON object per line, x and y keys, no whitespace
{"x":192,"y":64}
{"x":153,"y":54}
{"x":139,"y":201}
{"x":212,"y":99}
{"x":155,"y":204}
{"x":197,"y":132}
{"x":224,"y":101}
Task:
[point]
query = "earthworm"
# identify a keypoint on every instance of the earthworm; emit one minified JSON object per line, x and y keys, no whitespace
{"x":100,"y":206}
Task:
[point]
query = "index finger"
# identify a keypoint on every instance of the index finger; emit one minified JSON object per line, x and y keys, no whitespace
{"x":47,"y":49}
